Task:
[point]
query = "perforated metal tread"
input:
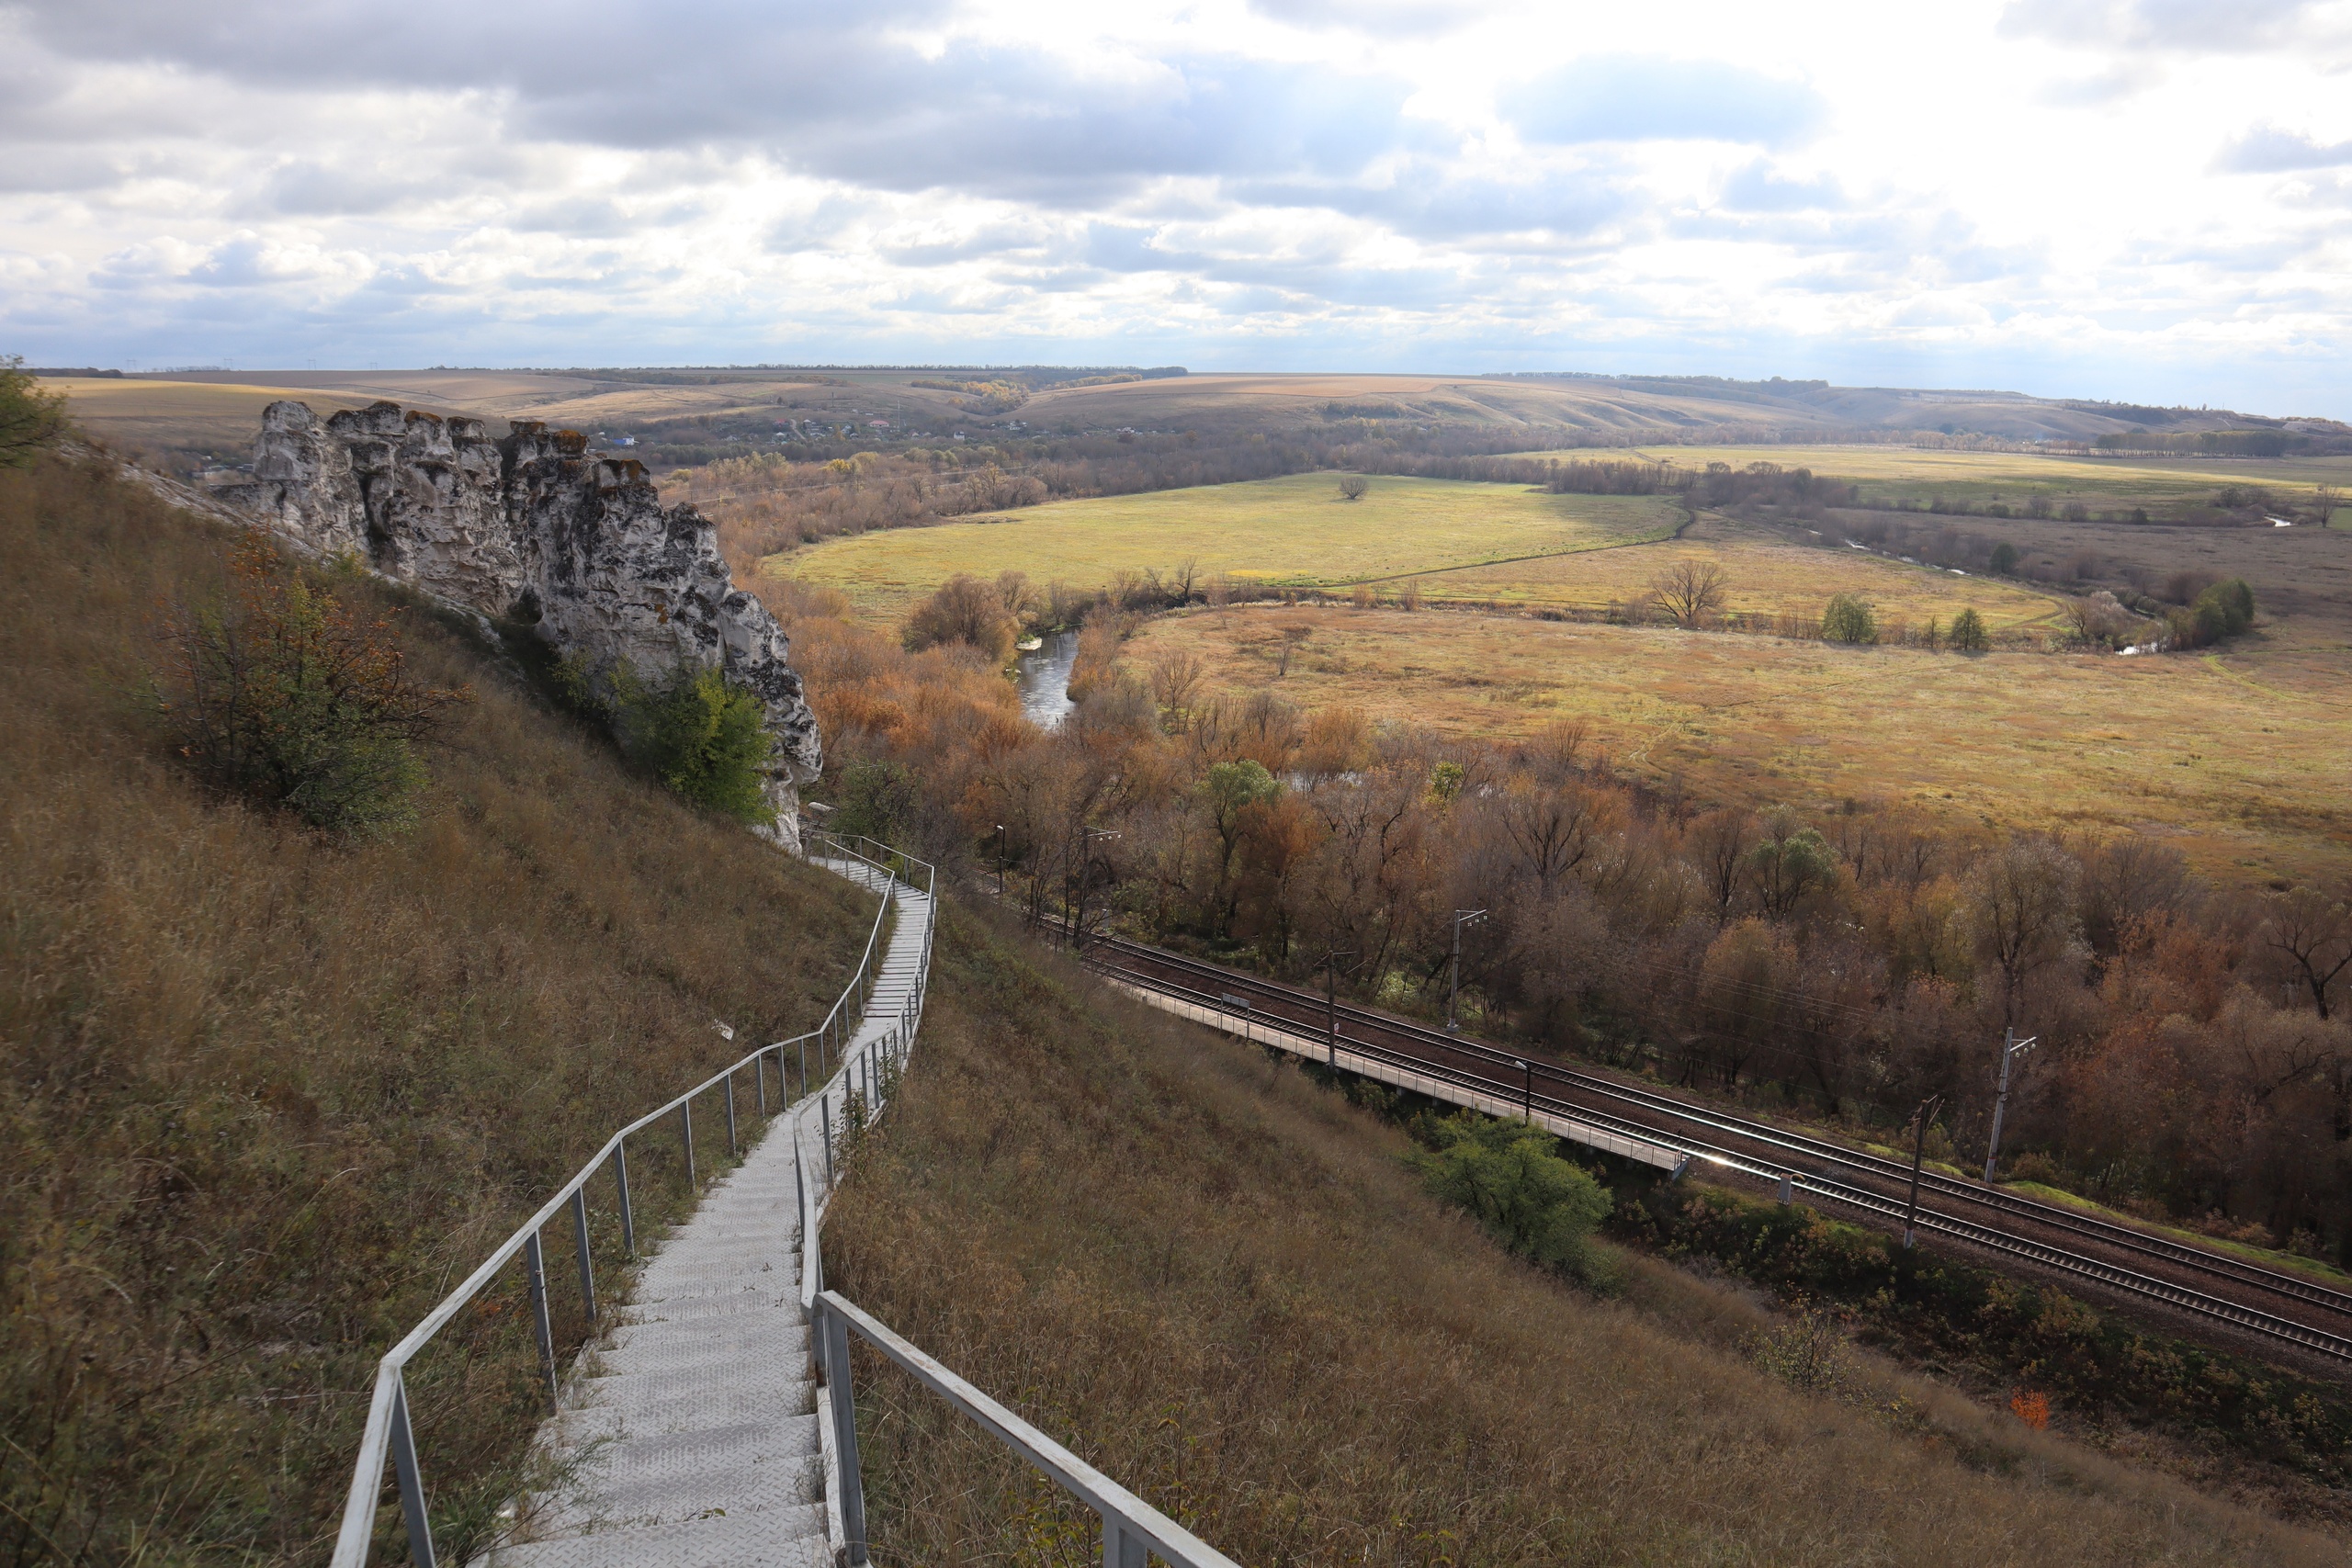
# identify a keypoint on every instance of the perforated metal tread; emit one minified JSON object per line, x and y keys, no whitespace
{"x":786,"y":1538}
{"x":689,"y":1437}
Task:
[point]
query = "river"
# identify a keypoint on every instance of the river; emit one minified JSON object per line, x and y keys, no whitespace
{"x":1043,"y":678}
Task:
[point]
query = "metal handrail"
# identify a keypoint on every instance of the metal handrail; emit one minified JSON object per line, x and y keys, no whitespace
{"x":388,"y":1432}
{"x":1131,"y":1527}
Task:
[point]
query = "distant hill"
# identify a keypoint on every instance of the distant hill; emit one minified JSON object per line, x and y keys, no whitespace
{"x":691,"y":414}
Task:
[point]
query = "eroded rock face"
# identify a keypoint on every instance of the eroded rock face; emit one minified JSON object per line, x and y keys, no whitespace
{"x":533,"y":528}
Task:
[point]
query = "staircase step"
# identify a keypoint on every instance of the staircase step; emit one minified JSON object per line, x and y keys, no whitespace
{"x":695,"y":1443}
{"x":783,"y":1538}
{"x":783,"y":1378}
{"x":772,"y":1399}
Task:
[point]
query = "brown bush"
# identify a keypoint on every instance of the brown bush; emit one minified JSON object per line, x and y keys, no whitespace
{"x":965,"y":610}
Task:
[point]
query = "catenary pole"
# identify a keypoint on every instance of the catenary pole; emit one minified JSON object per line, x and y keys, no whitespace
{"x":2011,"y":1046}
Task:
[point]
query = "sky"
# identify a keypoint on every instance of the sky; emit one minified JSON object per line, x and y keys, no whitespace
{"x":2148,"y":200}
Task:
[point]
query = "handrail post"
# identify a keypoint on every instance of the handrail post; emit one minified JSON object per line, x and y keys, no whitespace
{"x":628,"y":1215}
{"x":1121,"y":1548}
{"x":760,"y":1080}
{"x":843,"y":1402}
{"x":534,"y":1265}
{"x":412,"y":1482}
{"x":579,"y":1239}
{"x":804,"y":1065}
{"x":825,"y":1120}
{"x":732,"y":1150}
{"x":686,"y":1117}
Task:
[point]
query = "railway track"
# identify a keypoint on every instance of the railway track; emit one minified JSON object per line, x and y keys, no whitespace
{"x":2264,"y":1301}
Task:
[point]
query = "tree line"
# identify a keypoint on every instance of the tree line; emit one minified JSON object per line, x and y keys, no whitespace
{"x":2195,"y":1061}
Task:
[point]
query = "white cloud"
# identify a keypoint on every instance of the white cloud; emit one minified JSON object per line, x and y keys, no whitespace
{"x":2052,"y":195}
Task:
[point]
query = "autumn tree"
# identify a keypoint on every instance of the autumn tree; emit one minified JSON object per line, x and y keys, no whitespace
{"x":2020,"y":910}
{"x":1226,"y":795}
{"x":1353,"y":486}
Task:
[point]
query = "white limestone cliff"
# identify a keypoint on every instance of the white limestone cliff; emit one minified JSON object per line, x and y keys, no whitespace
{"x":532,"y":528}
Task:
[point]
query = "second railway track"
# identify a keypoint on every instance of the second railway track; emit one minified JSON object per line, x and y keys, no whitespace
{"x":2266,"y":1302}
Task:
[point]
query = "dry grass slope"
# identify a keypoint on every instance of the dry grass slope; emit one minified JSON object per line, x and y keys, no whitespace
{"x":265,"y":1098}
{"x":176,"y":425}
{"x":1216,"y":1282}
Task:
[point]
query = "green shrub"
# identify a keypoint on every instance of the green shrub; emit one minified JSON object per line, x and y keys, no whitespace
{"x":2223,"y":610}
{"x":878,"y":799}
{"x":2005,"y":558}
{"x":1511,"y":1176}
{"x":282,"y":696}
{"x":1849,"y":619}
{"x":1968,"y":634}
{"x":706,"y":739}
{"x":30,"y":419}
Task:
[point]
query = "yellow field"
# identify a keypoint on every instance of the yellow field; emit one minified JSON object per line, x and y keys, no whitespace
{"x":1296,"y":531}
{"x":1913,"y":473}
{"x":2239,"y":758}
{"x":1457,"y":542}
{"x":181,"y":420}
{"x":1767,"y":574}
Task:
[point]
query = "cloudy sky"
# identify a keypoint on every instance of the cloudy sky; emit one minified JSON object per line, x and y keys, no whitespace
{"x":2130,"y":199}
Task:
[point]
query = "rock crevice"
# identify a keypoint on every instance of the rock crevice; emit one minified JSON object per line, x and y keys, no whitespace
{"x":532,"y":527}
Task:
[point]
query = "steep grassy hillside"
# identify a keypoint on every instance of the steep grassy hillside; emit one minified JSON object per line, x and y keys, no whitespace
{"x":264,"y":1096}
{"x":1218,"y":1282}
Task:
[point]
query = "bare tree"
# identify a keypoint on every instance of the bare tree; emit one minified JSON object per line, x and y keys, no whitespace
{"x":1689,"y":593}
{"x":1176,"y":681}
{"x":2313,"y":932}
{"x":1292,"y":637}
{"x":1554,"y":829}
{"x":1717,"y":846}
{"x":1353,"y":486}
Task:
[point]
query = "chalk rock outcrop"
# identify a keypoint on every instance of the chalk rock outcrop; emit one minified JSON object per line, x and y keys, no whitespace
{"x":532,"y":528}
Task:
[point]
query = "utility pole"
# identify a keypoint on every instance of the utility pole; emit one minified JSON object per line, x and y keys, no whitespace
{"x":1919,"y":1152}
{"x":2011,"y":1046}
{"x":1454,"y":988}
{"x":1085,"y":876}
{"x":1527,"y":1108}
{"x":1332,"y":1007}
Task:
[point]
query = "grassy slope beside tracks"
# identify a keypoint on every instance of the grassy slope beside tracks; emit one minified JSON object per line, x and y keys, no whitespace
{"x":1220,"y":1284}
{"x":265,"y":1097}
